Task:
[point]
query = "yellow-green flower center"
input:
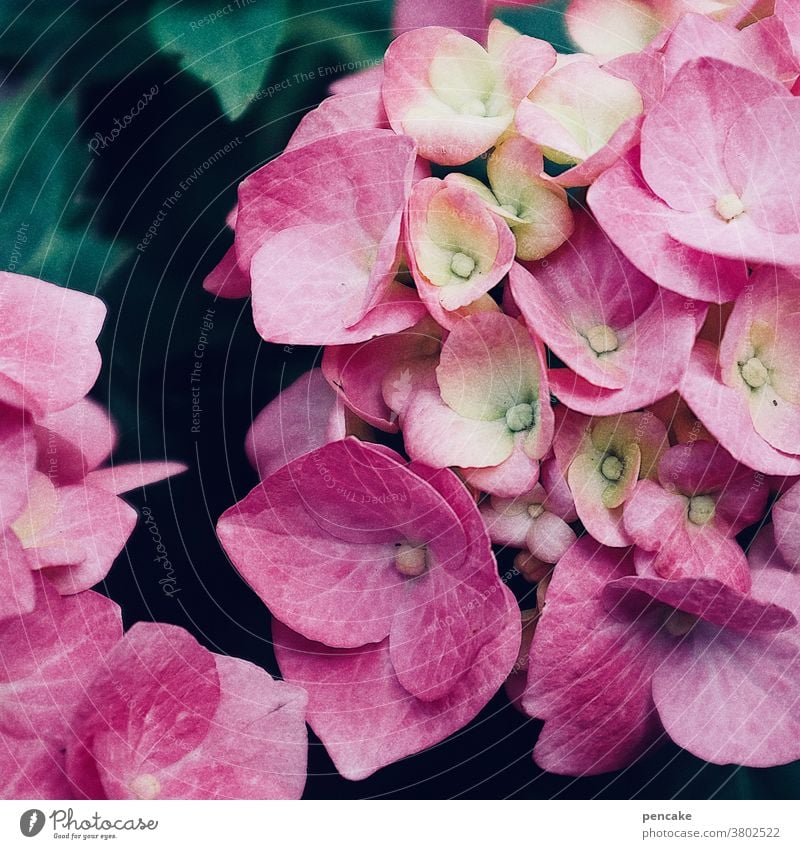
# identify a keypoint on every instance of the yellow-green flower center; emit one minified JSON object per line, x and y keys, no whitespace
{"x":602,"y":339}
{"x":519,"y":417}
{"x":462,"y":265}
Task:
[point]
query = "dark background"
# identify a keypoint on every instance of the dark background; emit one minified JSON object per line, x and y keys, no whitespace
{"x":69,"y":70}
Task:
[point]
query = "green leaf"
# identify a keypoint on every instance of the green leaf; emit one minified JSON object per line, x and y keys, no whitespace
{"x":229,"y":47}
{"x":48,"y":227}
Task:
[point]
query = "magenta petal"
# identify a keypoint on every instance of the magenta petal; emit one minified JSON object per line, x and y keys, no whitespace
{"x":362,"y":714}
{"x":48,"y":659}
{"x":316,"y":540}
{"x":306,"y":415}
{"x":30,"y":768}
{"x":786,"y":518}
{"x":75,"y":441}
{"x":129,"y":476}
{"x":731,"y":697}
{"x":151,"y":704}
{"x":50,"y":358}
{"x":17,"y":460}
{"x":227,"y":280}
{"x":638,"y":223}
{"x":589,"y":673}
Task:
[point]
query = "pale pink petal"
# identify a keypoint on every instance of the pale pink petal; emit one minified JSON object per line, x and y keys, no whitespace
{"x":306,"y":415}
{"x":17,"y":460}
{"x":638,"y":223}
{"x":724,"y":411}
{"x":549,"y":537}
{"x":730,"y":697}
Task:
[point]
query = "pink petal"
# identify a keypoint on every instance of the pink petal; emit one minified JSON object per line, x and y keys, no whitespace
{"x":75,"y":441}
{"x":79,"y":544}
{"x":256,"y":746}
{"x":227,"y":280}
{"x":316,"y":540}
{"x":19,"y":596}
{"x":638,"y":223}
{"x":724,"y":411}
{"x":515,"y":476}
{"x":31,"y":769}
{"x":17,"y":460}
{"x":48,"y":659}
{"x":357,"y":372}
{"x":589,"y":673}
{"x":129,"y":476}
{"x":730,"y":697}
{"x":306,"y":415}
{"x":362,"y":714}
{"x":549,"y":537}
{"x":50,"y":359}
{"x":341,"y":113}
{"x":786,"y":518}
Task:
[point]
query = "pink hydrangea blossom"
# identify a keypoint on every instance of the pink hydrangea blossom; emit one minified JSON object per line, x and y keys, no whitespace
{"x":745,"y":392}
{"x":458,"y":249}
{"x":732,"y":203}
{"x":452,"y":96}
{"x":684,"y":525}
{"x":533,"y":205}
{"x":485,"y":407}
{"x":527,"y":522}
{"x":618,"y":659}
{"x":626,"y":341}
{"x":293,"y":240}
{"x":393,"y":615}
{"x":364,"y":375}
{"x":583,"y":117}
{"x":602,"y":460}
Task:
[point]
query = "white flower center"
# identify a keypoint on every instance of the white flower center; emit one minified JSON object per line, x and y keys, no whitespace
{"x":535,"y":510}
{"x":411,"y":560}
{"x":475,"y":107}
{"x":462,"y":265}
{"x":701,"y":509}
{"x":755,"y":373}
{"x":519,"y":417}
{"x":145,"y":786}
{"x":602,"y":339}
{"x":729,"y":207}
{"x":612,"y":468}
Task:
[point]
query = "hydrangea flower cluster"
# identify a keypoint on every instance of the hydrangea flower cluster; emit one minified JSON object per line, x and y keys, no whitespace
{"x":567,"y":285}
{"x":86,"y":712}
